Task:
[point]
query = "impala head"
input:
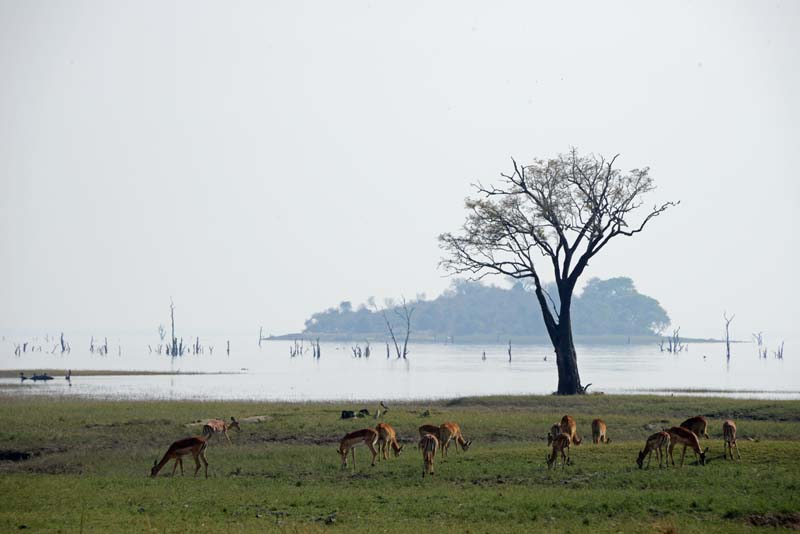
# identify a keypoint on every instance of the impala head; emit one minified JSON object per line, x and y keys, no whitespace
{"x":344,"y":457}
{"x":398,"y":450}
{"x":640,"y":459}
{"x":703,"y":457}
{"x":154,"y":470}
{"x":466,"y":444}
{"x":235,"y":424}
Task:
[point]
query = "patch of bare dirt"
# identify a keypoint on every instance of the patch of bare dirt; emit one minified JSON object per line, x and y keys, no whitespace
{"x":783,"y":520}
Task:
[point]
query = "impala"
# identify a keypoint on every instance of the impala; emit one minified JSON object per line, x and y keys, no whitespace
{"x":429,"y":443}
{"x":367,"y":436}
{"x":697,"y":424}
{"x":729,"y":435}
{"x":452,"y":432}
{"x":560,"y":442}
{"x":599,"y":434}
{"x":555,"y":430}
{"x":218,"y":426}
{"x":387,"y":437}
{"x":570,"y":427}
{"x":429,"y":429}
{"x":195,"y":446}
{"x":682,"y":436}
{"x":656,"y":442}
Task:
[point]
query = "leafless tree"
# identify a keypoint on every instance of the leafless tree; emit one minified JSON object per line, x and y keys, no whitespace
{"x":404,"y":312}
{"x":557,"y":215}
{"x":728,"y":334}
{"x":759,"y":339}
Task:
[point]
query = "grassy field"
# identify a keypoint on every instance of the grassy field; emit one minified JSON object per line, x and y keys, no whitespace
{"x":82,"y":465}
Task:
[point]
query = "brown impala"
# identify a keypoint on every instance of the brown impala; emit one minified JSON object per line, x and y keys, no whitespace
{"x":554,"y":431}
{"x":366,"y":436}
{"x":657,"y":442}
{"x":570,"y":427}
{"x":183,"y":447}
{"x":560,"y":442}
{"x":599,"y":434}
{"x":429,"y":429}
{"x":452,"y":432}
{"x":387,"y":437}
{"x":218,"y":426}
{"x":697,"y":424}
{"x":429,"y":443}
{"x":681,"y":436}
{"x":729,"y":435}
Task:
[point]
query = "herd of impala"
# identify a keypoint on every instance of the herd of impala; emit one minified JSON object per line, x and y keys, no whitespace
{"x":433,"y":438}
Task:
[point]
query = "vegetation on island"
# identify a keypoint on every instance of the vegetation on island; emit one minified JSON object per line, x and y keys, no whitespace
{"x":604,"y":308}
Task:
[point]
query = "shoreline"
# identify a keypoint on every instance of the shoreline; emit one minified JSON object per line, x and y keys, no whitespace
{"x":59,"y":373}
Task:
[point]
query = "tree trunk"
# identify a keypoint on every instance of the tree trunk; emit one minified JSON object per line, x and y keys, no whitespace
{"x":569,"y":381}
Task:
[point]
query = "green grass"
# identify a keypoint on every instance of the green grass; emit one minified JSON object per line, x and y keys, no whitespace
{"x":90,"y":461}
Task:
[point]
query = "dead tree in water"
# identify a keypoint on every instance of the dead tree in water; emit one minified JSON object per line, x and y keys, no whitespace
{"x":509,"y":350}
{"x":759,"y":339}
{"x":779,"y":353}
{"x":728,"y":334}
{"x":674,"y":343}
{"x":228,"y":349}
{"x":405,"y":313}
{"x":174,"y":349}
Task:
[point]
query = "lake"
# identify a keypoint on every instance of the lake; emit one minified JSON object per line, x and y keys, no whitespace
{"x":432,"y":371}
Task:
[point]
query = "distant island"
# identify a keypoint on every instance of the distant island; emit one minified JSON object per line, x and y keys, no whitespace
{"x":606,"y":310}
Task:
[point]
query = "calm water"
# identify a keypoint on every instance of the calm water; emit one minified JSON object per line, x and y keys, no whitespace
{"x":433,"y":371}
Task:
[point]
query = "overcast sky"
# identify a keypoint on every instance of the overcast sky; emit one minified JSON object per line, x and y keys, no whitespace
{"x":261,"y":161}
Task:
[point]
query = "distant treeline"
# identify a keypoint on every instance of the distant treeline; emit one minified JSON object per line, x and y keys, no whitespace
{"x":605,"y":307}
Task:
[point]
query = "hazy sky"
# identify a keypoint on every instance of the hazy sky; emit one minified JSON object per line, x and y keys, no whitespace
{"x":262,"y":161}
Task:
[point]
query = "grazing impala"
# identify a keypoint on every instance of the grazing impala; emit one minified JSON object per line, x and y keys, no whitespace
{"x":570,"y":427}
{"x":367,"y":436}
{"x":452,"y":432}
{"x":696,"y":424}
{"x":218,"y":426}
{"x":560,"y":442}
{"x":599,"y":432}
{"x":657,"y":442}
{"x":195,"y":446}
{"x":429,"y":429}
{"x":387,"y":437}
{"x":729,"y":435}
{"x":682,"y":436}
{"x":429,"y":443}
{"x":554,"y":431}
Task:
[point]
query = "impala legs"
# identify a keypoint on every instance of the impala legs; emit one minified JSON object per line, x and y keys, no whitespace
{"x":373,"y":451}
{"x":178,"y":461}
{"x":197,"y":458}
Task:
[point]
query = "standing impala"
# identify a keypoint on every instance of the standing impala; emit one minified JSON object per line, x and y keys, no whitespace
{"x":429,"y":443}
{"x":387,"y":437}
{"x":570,"y":427}
{"x":452,"y":432}
{"x":429,"y":429}
{"x":218,"y":426}
{"x":195,"y":446}
{"x":599,"y":434}
{"x":367,"y":436}
{"x":729,"y":435}
{"x":560,"y":442}
{"x":697,"y":424}
{"x":555,"y":430}
{"x":657,"y":442}
{"x":681,"y":436}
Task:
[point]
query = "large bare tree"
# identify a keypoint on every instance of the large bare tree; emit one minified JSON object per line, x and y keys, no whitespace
{"x":551,"y":215}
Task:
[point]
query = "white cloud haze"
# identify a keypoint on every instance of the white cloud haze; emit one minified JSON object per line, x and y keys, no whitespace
{"x":262,"y":161}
